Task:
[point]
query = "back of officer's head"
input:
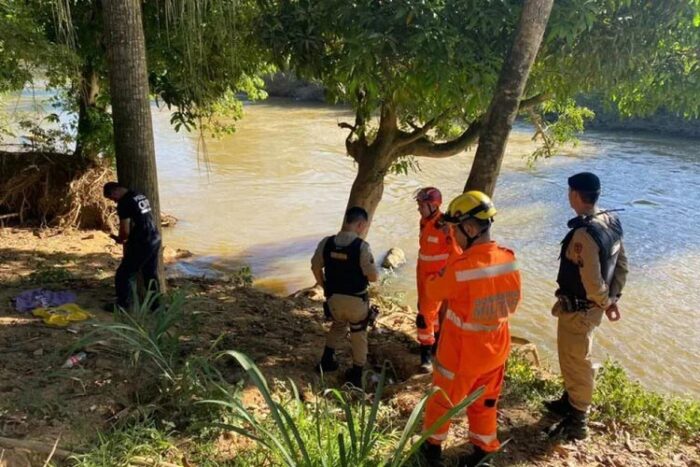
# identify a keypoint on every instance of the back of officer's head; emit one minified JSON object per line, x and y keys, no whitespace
{"x":356,"y":219}
{"x":112,"y":189}
{"x":587,"y":186}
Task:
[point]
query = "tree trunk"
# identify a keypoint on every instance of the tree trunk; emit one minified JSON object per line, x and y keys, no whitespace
{"x":368,"y":187}
{"x":131,"y":112}
{"x":506,"y":100}
{"x":88,"y":91}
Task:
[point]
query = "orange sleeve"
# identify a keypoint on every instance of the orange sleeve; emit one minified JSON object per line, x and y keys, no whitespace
{"x":441,"y":286}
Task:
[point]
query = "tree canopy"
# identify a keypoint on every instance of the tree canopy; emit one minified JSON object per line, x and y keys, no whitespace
{"x":437,"y":62}
{"x":200,"y":54}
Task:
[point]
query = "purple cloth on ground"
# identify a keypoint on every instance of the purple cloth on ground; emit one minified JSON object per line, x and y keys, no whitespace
{"x":42,"y":298}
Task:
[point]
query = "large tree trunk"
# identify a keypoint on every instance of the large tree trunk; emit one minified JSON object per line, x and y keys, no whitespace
{"x":368,"y":187}
{"x":506,"y":100}
{"x":131,"y":112}
{"x":88,"y":91}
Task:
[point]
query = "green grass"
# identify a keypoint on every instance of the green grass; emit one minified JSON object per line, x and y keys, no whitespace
{"x":336,"y":429}
{"x":118,"y":447}
{"x":49,"y":275}
{"x":657,"y":417}
{"x":171,"y":380}
{"x":191,"y":405}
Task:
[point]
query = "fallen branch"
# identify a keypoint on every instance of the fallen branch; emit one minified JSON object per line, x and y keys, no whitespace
{"x":148,"y":462}
{"x":35,"y":446}
{"x":53,"y":451}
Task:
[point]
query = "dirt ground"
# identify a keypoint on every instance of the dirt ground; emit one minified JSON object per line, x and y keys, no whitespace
{"x":41,"y":401}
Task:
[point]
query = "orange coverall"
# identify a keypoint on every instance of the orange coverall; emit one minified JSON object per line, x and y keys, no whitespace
{"x":435,"y":248}
{"x":482,"y":289}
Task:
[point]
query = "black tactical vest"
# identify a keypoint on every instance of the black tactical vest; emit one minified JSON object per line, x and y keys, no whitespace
{"x":606,"y":231}
{"x":341,"y":268}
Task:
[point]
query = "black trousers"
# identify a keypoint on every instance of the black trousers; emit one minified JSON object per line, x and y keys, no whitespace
{"x":138,"y":257}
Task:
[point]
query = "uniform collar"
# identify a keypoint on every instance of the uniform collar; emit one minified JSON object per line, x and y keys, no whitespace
{"x":347,"y":234}
{"x":481,"y":247}
{"x":583,"y":219}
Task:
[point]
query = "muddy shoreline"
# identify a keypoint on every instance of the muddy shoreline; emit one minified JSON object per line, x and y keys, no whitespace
{"x":41,"y":401}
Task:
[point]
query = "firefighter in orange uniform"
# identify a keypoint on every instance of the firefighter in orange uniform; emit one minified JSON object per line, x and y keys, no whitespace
{"x":436,"y":246}
{"x":482,"y":289}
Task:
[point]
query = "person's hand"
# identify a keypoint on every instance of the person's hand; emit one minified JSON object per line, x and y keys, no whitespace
{"x":613,"y":313}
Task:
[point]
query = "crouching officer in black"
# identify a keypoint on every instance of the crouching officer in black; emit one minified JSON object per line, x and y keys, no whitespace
{"x":592,"y":273}
{"x":141,"y":239}
{"x":344,"y":266}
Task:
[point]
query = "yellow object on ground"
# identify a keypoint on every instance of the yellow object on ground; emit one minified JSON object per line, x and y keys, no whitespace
{"x":62,"y":316}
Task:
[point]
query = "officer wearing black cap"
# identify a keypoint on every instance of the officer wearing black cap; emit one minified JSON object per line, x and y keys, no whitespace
{"x":592,"y":273}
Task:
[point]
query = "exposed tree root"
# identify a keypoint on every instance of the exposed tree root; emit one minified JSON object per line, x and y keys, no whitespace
{"x":55,"y":190}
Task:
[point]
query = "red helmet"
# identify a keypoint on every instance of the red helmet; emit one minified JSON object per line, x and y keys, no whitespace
{"x":430,"y":195}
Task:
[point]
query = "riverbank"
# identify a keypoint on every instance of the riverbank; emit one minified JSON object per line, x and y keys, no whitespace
{"x":139,"y":415}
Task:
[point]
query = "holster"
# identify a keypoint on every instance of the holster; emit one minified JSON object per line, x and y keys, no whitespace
{"x":573,"y":304}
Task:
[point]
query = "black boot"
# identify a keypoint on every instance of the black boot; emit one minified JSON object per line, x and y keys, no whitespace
{"x":328,"y":362}
{"x":432,"y":453}
{"x":475,"y":458}
{"x":354,"y":376}
{"x":426,"y":358}
{"x":561,"y":407}
{"x":573,"y":427}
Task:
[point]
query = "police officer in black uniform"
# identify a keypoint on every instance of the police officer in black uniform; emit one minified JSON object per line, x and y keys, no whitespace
{"x":592,"y":273}
{"x":343,"y":264}
{"x":141,"y":239}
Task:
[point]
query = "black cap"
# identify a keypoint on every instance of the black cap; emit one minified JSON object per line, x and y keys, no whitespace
{"x":585,"y":181}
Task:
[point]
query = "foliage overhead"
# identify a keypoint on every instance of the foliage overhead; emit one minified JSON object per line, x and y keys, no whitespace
{"x":442,"y":58}
{"x":200,"y":55}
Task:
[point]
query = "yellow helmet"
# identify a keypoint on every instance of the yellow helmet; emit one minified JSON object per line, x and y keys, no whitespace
{"x":470,"y":205}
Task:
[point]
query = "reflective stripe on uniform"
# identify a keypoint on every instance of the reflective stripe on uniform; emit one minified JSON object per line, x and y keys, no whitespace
{"x":486,"y":439}
{"x":443,"y":371}
{"x":476,"y":327}
{"x":488,"y":271}
{"x":424,"y":335}
{"x":440,"y":257}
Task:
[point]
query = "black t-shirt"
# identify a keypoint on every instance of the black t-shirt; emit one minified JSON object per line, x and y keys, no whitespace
{"x":136,"y":207}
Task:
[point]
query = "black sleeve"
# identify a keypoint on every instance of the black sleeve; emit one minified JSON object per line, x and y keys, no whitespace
{"x":125,"y":208}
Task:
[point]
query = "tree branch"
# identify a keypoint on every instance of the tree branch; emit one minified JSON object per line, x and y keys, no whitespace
{"x":416,"y":143}
{"x":355,"y":148}
{"x":423,"y":147}
{"x":405,"y":139}
{"x":347,"y":126}
{"x":388,"y":129}
{"x":534,"y":101}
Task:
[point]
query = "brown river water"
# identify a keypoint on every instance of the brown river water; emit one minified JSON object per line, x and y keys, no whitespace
{"x":266,"y":195}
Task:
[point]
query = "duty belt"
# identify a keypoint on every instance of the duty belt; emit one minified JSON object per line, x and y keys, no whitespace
{"x":572,"y":304}
{"x":363,"y":295}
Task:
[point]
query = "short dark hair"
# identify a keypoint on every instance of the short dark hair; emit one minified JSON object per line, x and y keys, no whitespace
{"x":110,"y":188}
{"x":589,"y":197}
{"x":355,"y":214}
{"x":587,"y":185}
